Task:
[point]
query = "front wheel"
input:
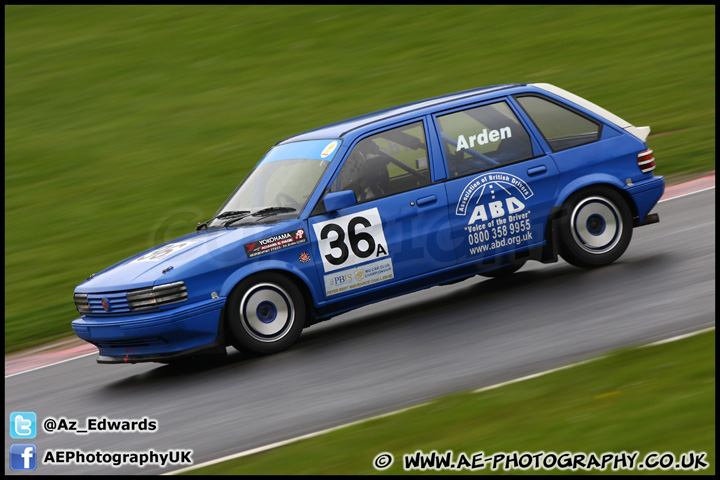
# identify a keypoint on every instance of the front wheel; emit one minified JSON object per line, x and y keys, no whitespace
{"x":266,"y":313}
{"x":596,"y":227}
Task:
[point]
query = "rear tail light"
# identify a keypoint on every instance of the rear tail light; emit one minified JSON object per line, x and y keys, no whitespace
{"x":646,"y":161}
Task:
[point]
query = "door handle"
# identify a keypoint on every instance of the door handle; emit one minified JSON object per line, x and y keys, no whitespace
{"x":426,"y":200}
{"x":537,"y":170}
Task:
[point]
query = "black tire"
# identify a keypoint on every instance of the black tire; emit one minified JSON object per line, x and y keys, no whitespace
{"x":266,"y":313}
{"x":505,"y":271}
{"x":596,"y":228}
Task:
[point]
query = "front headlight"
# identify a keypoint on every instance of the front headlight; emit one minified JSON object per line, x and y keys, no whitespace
{"x":154,"y":297}
{"x":81,"y":303}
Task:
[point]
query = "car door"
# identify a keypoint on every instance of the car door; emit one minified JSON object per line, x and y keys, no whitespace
{"x":501,"y":185}
{"x":397,"y":229}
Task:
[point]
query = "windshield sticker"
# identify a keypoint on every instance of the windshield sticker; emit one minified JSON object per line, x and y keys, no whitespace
{"x":350,"y":240}
{"x":275,"y":243}
{"x":165,"y":251}
{"x":329,"y":149}
{"x":358,"y":277}
{"x":483,"y":138}
{"x":306,"y":149}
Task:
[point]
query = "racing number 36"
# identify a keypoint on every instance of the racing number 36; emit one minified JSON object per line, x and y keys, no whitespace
{"x":352,"y":239}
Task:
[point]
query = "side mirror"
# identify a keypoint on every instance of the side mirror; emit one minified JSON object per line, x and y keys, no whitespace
{"x":337,"y":200}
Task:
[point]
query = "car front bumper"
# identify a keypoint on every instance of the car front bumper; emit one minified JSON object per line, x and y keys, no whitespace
{"x":154,"y":337}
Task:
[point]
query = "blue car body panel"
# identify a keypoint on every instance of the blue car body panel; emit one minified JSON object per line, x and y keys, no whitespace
{"x":460,"y":208}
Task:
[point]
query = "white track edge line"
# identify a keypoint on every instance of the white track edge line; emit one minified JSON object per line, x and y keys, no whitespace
{"x":686,"y":194}
{"x":679,"y":337}
{"x":51,"y":364}
{"x":535,"y":375}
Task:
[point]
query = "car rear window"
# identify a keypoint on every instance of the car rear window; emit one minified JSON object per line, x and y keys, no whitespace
{"x":562,"y":127}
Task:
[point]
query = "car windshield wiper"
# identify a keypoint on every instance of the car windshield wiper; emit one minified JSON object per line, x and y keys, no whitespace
{"x":239,"y":214}
{"x":266,"y":212}
{"x":262,"y":213}
{"x":229,"y":213}
{"x":232,"y":213}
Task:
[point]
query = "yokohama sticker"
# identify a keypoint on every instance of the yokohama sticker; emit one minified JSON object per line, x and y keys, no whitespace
{"x":275,"y":243}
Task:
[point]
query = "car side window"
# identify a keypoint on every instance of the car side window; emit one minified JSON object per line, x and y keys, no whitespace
{"x":562,"y":128}
{"x":386,"y":163}
{"x":482,"y":138}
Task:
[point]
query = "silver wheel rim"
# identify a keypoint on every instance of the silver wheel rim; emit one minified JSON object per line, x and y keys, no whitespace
{"x":266,"y":312}
{"x":596,"y":225}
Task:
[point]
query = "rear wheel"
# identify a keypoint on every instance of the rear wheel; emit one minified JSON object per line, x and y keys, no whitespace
{"x":266,"y":313}
{"x":596,"y":227}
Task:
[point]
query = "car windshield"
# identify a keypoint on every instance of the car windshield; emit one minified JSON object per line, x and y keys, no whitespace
{"x":280,"y":185}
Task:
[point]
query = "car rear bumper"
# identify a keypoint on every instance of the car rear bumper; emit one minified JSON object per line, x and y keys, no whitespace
{"x":152,"y":337}
{"x":646,"y":194}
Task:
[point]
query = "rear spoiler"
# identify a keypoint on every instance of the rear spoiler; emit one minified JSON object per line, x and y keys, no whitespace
{"x":640,"y":132}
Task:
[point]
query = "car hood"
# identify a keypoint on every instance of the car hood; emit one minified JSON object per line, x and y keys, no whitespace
{"x":176,"y":260}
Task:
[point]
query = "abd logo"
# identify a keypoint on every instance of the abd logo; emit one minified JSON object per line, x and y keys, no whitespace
{"x":501,"y":194}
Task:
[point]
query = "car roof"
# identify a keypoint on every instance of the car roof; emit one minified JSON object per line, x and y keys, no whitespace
{"x":339,"y":129}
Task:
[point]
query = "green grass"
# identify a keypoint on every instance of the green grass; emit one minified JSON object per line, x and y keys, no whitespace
{"x":652,"y":399}
{"x":125,"y":125}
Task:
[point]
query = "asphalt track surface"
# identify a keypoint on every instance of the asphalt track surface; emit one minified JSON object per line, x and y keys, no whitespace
{"x":390,"y":355}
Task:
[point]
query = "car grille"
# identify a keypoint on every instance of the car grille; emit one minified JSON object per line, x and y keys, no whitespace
{"x":116,"y":301}
{"x":131,"y":301}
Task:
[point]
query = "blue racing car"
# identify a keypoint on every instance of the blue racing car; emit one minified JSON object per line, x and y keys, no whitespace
{"x":472,"y":183}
